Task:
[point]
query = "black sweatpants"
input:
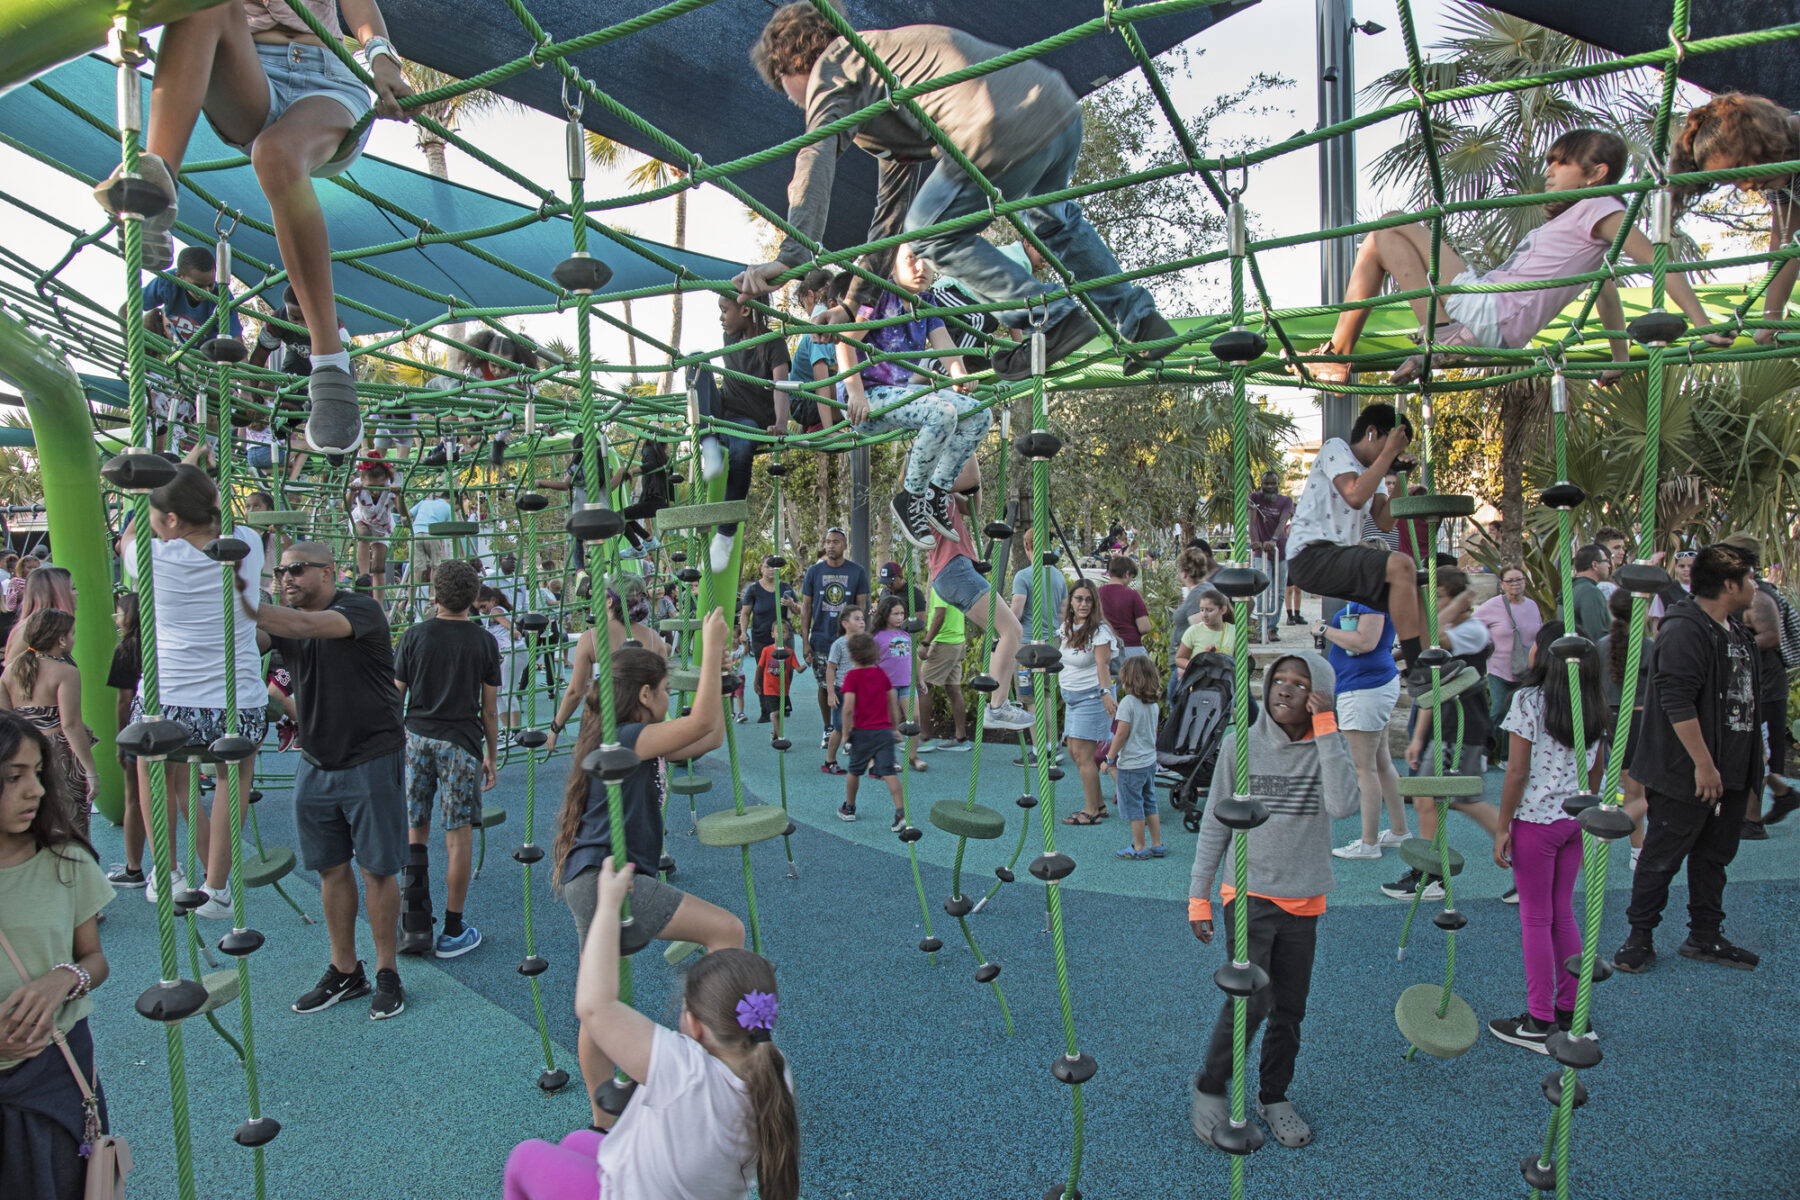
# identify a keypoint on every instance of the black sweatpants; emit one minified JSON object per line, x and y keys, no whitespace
{"x":1681,"y":829}
{"x":1281,"y":944}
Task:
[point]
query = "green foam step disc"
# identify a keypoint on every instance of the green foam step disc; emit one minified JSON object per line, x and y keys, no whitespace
{"x":270,"y":866}
{"x":690,"y":785}
{"x":677,"y":953}
{"x":1452,"y":688}
{"x":442,"y":529}
{"x":491,"y":817}
{"x":1439,"y":506}
{"x":221,"y":989}
{"x":974,"y":822}
{"x":1448,"y":1036}
{"x":1452,"y":787}
{"x":699,"y":516}
{"x":1422,"y":856}
{"x":758,"y":823}
{"x":280,"y":516}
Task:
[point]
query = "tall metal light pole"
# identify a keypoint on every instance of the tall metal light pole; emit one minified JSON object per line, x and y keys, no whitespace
{"x":1337,"y":175}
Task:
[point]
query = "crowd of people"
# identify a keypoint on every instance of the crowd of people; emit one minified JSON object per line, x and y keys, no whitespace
{"x":391,"y":733}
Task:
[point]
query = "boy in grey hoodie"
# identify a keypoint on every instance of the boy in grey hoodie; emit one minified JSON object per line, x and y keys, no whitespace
{"x":1302,"y":772}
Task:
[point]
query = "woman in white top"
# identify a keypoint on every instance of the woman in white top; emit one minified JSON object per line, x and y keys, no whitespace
{"x":373,"y":504}
{"x":192,"y":659}
{"x":1088,"y":646}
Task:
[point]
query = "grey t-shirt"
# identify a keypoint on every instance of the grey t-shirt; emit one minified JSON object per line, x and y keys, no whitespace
{"x":1041,"y":627}
{"x":1139,"y":748}
{"x":839,"y":658}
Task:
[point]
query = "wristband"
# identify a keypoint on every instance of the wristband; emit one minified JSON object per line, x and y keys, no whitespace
{"x":266,"y":340}
{"x":374,"y":48}
{"x":83,"y":981}
{"x":556,"y":727}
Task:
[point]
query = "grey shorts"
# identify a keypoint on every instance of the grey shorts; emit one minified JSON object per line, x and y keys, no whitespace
{"x":355,"y":812}
{"x":653,"y":905}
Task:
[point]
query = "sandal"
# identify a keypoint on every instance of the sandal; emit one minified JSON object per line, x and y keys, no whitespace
{"x":919,"y":764}
{"x":1081,"y":817}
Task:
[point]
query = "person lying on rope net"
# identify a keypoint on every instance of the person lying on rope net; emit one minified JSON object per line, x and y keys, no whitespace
{"x":1019,"y":126}
{"x":1574,"y":241}
{"x":1734,"y":130}
{"x":270,"y":87}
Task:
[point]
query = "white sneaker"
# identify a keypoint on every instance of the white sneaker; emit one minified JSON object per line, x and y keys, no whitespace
{"x":216,"y":908}
{"x":1007,"y":715}
{"x":721,"y":553}
{"x":1357,"y":849}
{"x":1433,"y":890}
{"x":177,"y":883}
{"x":825,"y":740}
{"x":712,"y":459}
{"x":1390,"y":838}
{"x":1635,"y":851}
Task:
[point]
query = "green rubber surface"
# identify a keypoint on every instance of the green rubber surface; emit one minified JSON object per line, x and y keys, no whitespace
{"x":690,"y":785}
{"x":699,"y":516}
{"x":977,"y":822}
{"x":758,"y":823}
{"x":271,"y":866}
{"x":1458,"y":787}
{"x":1432,"y":506}
{"x":1449,"y":1036}
{"x":1422,"y":856}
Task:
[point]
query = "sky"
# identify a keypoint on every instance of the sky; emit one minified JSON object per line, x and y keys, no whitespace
{"x":1275,"y":37}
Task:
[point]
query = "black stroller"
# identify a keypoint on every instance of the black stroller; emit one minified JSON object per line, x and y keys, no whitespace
{"x":1187,"y":748}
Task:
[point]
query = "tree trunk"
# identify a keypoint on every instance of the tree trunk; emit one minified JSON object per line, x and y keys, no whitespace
{"x":630,"y":343}
{"x":433,"y":149}
{"x":680,"y":242}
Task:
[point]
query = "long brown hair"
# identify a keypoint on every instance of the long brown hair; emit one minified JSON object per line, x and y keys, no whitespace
{"x":1587,"y":149}
{"x":43,"y":630}
{"x":1082,"y":636}
{"x":193,"y":498}
{"x":1748,"y":130}
{"x":633,"y":669}
{"x":716,"y":985}
{"x":54,"y":826}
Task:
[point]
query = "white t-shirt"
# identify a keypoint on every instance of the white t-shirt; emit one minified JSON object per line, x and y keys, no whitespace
{"x":686,"y":1134}
{"x":1469,"y":637}
{"x":190,"y":608}
{"x":1079,"y":671}
{"x":1555,"y":773}
{"x":1322,"y":514}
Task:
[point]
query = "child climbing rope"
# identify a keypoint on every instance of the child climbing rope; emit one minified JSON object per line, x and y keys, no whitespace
{"x":271,"y":88}
{"x":1548,"y":761}
{"x":1021,"y":128}
{"x":373,"y":503}
{"x":1573,"y":241}
{"x":584,"y":836}
{"x":1300,"y":769}
{"x":948,"y":423}
{"x":715,"y":1086}
{"x":735,"y":401}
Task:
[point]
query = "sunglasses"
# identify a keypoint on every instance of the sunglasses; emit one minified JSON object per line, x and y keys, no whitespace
{"x":1686,"y":555}
{"x":294,"y":570}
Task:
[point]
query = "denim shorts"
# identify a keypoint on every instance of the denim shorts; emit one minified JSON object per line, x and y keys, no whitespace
{"x":959,"y":585}
{"x":1135,"y":793}
{"x":1085,"y":715}
{"x":296,"y":70}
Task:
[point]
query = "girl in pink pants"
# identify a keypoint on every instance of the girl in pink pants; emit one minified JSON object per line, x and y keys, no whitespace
{"x":1550,"y":759}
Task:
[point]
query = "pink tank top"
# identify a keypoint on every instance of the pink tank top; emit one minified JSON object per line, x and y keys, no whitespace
{"x":264,"y":15}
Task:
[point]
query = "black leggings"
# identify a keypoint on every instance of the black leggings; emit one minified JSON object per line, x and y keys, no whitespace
{"x":1281,"y":944}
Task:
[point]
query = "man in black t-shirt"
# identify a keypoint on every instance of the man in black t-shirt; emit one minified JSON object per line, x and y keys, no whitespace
{"x":448,"y":669}
{"x":349,"y":800}
{"x":758,"y":606}
{"x":1699,"y":757}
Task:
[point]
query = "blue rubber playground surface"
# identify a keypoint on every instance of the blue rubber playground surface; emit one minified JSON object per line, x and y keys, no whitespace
{"x":909,"y":1085}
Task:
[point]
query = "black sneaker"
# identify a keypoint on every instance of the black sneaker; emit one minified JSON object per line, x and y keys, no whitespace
{"x":899,"y":822}
{"x":1752,"y":831}
{"x":1716,"y":949}
{"x":332,"y":987}
{"x":937,"y":510}
{"x":1153,"y":328}
{"x":1637,"y":955}
{"x":1565,"y":1021}
{"x":1403,"y":888}
{"x":124,"y":877}
{"x":1070,"y":333}
{"x":914,"y":515}
{"x":1524,"y":1030}
{"x":1780,"y":806}
{"x":390,"y":997}
{"x":1510,"y":896}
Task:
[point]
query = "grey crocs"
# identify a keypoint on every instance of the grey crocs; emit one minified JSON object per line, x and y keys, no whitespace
{"x":158,"y":248}
{"x":334,"y":426}
{"x":1285,"y":1123}
{"x":1209,"y":1111}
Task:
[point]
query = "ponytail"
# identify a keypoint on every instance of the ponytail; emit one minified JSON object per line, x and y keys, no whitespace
{"x":716,"y":988}
{"x":774,"y":1123}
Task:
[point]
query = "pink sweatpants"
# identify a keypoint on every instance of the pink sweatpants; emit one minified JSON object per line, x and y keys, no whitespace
{"x":1546,"y":859}
{"x":536,"y":1170}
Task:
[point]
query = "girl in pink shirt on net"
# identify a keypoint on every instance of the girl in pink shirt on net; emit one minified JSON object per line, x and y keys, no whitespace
{"x":713,"y":1111}
{"x":1573,"y":241}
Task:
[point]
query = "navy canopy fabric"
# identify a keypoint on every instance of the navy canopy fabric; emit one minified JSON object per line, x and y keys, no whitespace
{"x":1636,"y":26}
{"x":691,"y":76}
{"x":31,"y":119}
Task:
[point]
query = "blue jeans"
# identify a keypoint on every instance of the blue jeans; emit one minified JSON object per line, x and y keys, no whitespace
{"x":991,"y":276}
{"x":261,"y":455}
{"x":1135,"y":792}
{"x":740,"y":456}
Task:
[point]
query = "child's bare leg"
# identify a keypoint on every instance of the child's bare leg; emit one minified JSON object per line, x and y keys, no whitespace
{"x":1401,"y":253}
{"x":459,"y":853}
{"x":957,"y":711}
{"x":378,"y":569}
{"x":208,"y":61}
{"x":1636,"y":805}
{"x":1153,"y":823}
{"x":850,"y":782}
{"x":1403,"y":597}
{"x":285,"y":156}
{"x":893,"y":787}
{"x":218,"y":852}
{"x":1137,"y":834}
{"x":1483,"y":814}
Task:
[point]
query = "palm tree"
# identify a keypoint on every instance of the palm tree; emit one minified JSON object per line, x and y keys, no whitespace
{"x":449,"y":113}
{"x":20,"y":482}
{"x":647,"y":176}
{"x":1495,"y":145}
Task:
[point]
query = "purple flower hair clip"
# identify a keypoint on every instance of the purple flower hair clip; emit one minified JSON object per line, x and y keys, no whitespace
{"x":756,"y":1012}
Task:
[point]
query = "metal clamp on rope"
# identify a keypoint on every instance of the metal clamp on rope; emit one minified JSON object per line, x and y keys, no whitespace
{"x":1662,"y":222}
{"x":576,"y":147}
{"x":1559,"y":391}
{"x":530,"y":417}
{"x":1237,"y":235}
{"x":131,"y":101}
{"x":125,"y":46}
{"x":1037,"y":315}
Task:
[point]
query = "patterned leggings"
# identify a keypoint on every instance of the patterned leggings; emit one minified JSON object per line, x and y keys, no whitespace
{"x":948,"y":430}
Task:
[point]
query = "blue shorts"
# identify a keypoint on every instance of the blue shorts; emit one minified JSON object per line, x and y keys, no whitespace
{"x":959,"y":584}
{"x":872,"y":752}
{"x":1135,"y":792}
{"x":296,"y":70}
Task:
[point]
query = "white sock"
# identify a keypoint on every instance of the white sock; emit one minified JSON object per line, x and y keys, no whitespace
{"x":340,"y":360}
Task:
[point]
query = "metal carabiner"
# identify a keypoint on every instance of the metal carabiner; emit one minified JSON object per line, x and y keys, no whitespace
{"x":573,"y":111}
{"x":229,"y":229}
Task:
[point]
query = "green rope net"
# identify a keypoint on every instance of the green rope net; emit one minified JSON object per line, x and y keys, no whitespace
{"x":528,"y":415}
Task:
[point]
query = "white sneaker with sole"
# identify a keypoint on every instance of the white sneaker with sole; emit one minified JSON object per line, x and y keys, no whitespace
{"x":1390,"y":838}
{"x":216,"y":908}
{"x":1357,"y":849}
{"x":720,"y":553}
{"x":1007,"y":715}
{"x":177,"y":883}
{"x":712,"y":459}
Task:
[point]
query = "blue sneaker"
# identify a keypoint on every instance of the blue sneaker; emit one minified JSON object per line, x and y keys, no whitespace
{"x":1159,"y":852}
{"x":462,"y":943}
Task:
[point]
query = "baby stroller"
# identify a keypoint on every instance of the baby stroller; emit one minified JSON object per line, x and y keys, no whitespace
{"x":1187,"y":747}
